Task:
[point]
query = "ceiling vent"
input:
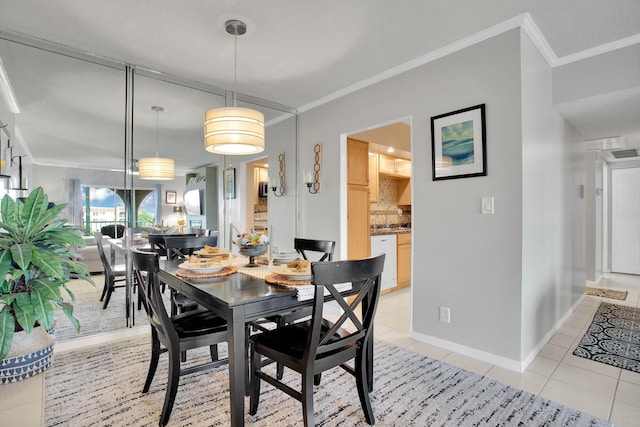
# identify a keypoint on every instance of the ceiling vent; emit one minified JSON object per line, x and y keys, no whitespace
{"x":625,"y":154}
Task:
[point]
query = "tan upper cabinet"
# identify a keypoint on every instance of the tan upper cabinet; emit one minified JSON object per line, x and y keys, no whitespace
{"x":357,"y":162}
{"x":373,"y":178}
{"x":393,"y":166}
{"x":404,"y":191}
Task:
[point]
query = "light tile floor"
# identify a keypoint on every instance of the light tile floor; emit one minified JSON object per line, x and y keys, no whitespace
{"x":598,"y":389}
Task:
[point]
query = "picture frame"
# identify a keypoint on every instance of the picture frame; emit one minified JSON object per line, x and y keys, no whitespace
{"x":458,"y":144}
{"x":230,"y":183}
{"x":170,"y":197}
{"x":195,"y":224}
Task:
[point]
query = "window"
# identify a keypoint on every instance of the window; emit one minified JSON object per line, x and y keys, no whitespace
{"x":103,"y":206}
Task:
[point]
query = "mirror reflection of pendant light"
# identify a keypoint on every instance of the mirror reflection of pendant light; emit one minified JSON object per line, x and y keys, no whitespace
{"x":234,"y":130}
{"x":157,"y":168}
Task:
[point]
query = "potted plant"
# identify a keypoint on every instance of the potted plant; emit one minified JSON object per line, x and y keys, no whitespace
{"x":37,"y":258}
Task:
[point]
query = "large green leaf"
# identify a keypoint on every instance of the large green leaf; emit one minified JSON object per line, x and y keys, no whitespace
{"x":48,"y":262}
{"x":23,"y":309}
{"x":7,"y":328}
{"x":22,"y":254}
{"x":12,"y":232}
{"x":68,"y":310}
{"x":46,"y":222}
{"x":8,"y":207}
{"x":42,"y":308}
{"x":5,"y":267}
{"x":31,"y":209}
{"x":47,"y":288}
{"x":71,"y":295}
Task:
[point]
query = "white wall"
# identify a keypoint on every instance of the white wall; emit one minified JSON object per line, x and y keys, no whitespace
{"x":462,"y":259}
{"x":469,"y":262}
{"x":550,"y":188}
{"x":597,"y":75}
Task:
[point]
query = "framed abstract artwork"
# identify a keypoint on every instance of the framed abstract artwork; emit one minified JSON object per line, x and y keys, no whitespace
{"x":458,"y":144}
{"x":171,"y":197}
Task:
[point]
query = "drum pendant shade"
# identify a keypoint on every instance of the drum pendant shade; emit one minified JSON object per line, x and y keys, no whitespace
{"x":158,"y":168}
{"x":234,"y":130}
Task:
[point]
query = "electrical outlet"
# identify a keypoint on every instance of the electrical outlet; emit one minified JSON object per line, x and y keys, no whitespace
{"x":445,"y":314}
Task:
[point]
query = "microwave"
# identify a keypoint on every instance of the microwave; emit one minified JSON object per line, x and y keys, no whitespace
{"x":263,"y":189}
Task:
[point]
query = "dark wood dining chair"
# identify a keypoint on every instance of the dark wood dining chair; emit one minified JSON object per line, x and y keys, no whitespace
{"x":180,"y":247}
{"x":174,"y":335}
{"x":115,"y":231}
{"x":112,"y":274}
{"x":318,"y":250}
{"x":317,"y":345}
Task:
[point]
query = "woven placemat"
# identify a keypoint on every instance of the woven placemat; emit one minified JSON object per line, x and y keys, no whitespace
{"x":277,"y":279}
{"x":230,"y":269}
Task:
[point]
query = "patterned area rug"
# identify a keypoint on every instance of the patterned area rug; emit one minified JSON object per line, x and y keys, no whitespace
{"x":613,"y":337}
{"x":102,"y":386}
{"x":607,"y":293}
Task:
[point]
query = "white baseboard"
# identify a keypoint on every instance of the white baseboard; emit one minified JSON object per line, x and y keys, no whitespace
{"x":494,"y":359}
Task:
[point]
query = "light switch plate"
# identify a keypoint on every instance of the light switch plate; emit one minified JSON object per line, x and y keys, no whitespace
{"x":487,"y":205}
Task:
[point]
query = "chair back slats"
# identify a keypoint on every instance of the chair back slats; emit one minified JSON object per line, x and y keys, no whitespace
{"x":144,"y":261}
{"x":108,"y":269}
{"x":365,"y":276}
{"x":326,"y":247}
{"x":179,"y":247}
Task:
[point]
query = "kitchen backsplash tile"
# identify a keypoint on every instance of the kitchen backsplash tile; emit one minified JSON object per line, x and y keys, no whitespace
{"x":387,"y":211}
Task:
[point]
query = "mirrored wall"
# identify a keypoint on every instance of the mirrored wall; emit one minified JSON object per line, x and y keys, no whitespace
{"x":71,"y":127}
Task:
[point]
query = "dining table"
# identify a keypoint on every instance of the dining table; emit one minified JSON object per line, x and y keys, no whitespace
{"x":239,"y":298}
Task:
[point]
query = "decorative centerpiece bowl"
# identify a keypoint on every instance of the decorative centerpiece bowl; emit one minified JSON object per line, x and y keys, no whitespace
{"x":252,"y":251}
{"x":251,"y":244}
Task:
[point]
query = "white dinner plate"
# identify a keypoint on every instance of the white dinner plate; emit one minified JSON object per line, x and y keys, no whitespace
{"x":291,"y":273}
{"x":277,"y":260}
{"x":203,"y":267}
{"x":210,"y":254}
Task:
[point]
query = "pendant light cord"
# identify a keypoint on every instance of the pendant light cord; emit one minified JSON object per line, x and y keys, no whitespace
{"x":235,"y":66}
{"x":157,"y":113}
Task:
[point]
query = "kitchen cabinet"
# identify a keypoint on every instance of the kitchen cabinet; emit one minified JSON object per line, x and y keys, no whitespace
{"x":358,"y":242}
{"x":404,"y":259}
{"x":394,"y":166}
{"x":386,"y":244}
{"x":374,"y":179}
{"x":404,"y":191}
{"x":357,"y":162}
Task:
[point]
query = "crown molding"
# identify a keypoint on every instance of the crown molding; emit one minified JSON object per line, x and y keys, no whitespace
{"x":523,"y":21}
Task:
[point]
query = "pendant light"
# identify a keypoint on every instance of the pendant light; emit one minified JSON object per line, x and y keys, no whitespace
{"x":157,"y":168}
{"x":234,"y":130}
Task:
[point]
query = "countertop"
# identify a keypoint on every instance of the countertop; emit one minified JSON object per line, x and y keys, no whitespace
{"x":394,"y":230}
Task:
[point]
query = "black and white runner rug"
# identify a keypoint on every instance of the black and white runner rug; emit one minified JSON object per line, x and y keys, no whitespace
{"x":613,"y":337}
{"x":101,"y":386}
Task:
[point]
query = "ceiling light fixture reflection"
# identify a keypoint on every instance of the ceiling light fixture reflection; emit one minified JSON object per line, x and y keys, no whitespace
{"x":234,"y":130}
{"x":156,"y":168}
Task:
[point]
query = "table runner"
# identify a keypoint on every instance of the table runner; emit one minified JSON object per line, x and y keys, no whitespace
{"x":304,"y":292}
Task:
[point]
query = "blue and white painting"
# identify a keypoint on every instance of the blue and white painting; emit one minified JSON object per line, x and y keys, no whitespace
{"x":457,"y":143}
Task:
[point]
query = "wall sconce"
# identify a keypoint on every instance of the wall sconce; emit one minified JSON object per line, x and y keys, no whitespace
{"x":312,"y":179}
{"x":278,"y":190}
